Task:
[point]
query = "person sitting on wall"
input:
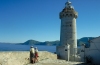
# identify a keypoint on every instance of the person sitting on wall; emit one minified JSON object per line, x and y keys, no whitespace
{"x":32,"y":55}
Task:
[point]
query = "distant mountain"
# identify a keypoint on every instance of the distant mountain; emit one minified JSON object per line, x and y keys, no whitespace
{"x":30,"y":42}
{"x":47,"y":45}
{"x":84,"y":40}
{"x":34,"y":42}
{"x":52,"y":43}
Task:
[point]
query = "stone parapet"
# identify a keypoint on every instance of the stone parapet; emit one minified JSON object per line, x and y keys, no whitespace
{"x":68,"y":13}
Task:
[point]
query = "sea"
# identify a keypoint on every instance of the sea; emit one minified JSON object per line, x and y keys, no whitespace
{"x":13,"y":47}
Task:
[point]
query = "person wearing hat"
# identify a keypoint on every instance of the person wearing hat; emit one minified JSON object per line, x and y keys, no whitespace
{"x":32,"y":55}
{"x":36,"y":54}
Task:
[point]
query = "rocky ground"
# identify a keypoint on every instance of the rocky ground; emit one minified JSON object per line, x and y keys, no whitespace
{"x":21,"y":58}
{"x":56,"y":62}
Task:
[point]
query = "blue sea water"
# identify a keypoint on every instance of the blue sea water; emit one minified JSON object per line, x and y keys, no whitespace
{"x":13,"y":47}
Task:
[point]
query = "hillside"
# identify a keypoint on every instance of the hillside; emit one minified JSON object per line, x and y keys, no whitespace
{"x":53,"y":43}
{"x":33,"y":42}
{"x":84,"y":40}
{"x":50,"y":43}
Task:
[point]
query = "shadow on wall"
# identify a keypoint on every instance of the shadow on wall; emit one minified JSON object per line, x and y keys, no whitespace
{"x":85,"y":64}
{"x":82,"y":64}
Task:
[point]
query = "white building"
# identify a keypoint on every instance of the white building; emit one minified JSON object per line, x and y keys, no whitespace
{"x":92,"y":53}
{"x":68,"y":35}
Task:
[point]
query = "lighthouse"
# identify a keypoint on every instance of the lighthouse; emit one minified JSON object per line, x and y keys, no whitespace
{"x":68,"y":32}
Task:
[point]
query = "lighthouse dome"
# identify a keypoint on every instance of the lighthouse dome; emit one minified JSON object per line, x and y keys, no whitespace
{"x":68,"y":5}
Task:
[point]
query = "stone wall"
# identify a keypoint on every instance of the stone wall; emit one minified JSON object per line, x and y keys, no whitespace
{"x":21,"y":57}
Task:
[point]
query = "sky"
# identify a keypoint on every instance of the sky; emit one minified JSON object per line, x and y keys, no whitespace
{"x":22,"y":20}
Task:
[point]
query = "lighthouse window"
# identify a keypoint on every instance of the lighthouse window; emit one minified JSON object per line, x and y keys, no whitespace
{"x":66,"y":14}
{"x":70,"y":25}
{"x":70,"y":14}
{"x":65,"y":49}
{"x":74,"y":14}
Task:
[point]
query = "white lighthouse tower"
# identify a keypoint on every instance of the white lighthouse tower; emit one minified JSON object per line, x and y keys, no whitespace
{"x":68,"y":34}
